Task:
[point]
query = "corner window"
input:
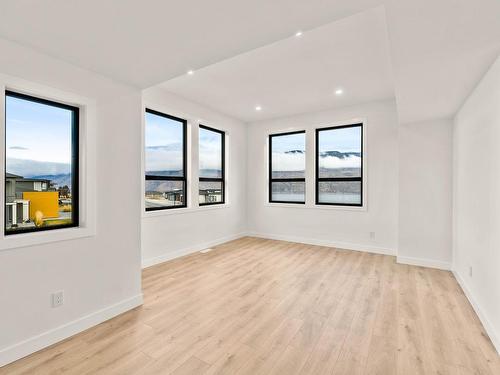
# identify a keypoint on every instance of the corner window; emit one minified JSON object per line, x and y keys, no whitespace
{"x":287,"y":164}
{"x":41,"y":164}
{"x":165,"y":167}
{"x":339,"y":165}
{"x":211,"y":166}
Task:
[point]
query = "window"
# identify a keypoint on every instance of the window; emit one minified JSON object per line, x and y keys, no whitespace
{"x":339,"y":165}
{"x":211,"y":166}
{"x":41,"y":164}
{"x":287,"y":164}
{"x":165,"y":142}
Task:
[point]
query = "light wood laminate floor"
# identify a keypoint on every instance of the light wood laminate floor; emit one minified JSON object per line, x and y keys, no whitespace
{"x":255,"y":306}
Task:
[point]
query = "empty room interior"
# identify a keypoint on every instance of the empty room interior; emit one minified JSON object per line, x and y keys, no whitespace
{"x":250,"y":187}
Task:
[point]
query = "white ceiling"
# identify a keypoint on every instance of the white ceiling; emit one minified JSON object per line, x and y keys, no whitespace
{"x":145,"y":42}
{"x":439,"y":49}
{"x":299,"y":74}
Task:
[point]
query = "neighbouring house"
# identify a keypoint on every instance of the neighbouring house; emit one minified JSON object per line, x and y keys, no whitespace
{"x":210,"y":195}
{"x":16,"y":185}
{"x":175,"y":195}
{"x":18,"y":208}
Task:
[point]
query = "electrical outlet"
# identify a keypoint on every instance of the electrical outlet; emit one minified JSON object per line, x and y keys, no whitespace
{"x":372,"y":235}
{"x":470,"y":271}
{"x":57,"y":299}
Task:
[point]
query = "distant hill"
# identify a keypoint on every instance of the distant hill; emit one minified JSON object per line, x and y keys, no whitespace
{"x":171,"y":173}
{"x":339,"y":154}
{"x":336,"y":154}
{"x":58,"y":180}
{"x":31,"y":168}
{"x":212,"y":173}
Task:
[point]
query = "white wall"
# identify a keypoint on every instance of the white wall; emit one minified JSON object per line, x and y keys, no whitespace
{"x":341,"y":227}
{"x":172,"y":233}
{"x":425,"y":177}
{"x":476,"y":200}
{"x":408,"y":200}
{"x":100,"y":275}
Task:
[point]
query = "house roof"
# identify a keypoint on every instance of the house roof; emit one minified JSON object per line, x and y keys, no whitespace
{"x":27,"y":179}
{"x":35,"y":179}
{"x":11,"y":175}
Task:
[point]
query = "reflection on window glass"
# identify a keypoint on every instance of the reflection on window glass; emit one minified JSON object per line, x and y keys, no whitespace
{"x":41,"y":155}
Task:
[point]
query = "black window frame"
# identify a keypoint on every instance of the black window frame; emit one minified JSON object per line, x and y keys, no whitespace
{"x":183,"y":178}
{"x":75,"y":163}
{"x":338,"y":179}
{"x":271,"y":179}
{"x":222,"y":179}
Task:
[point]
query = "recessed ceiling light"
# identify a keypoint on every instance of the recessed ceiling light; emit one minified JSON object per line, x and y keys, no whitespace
{"x":190,"y":72}
{"x":298,"y":33}
{"x":258,"y":108}
{"x":339,"y":92}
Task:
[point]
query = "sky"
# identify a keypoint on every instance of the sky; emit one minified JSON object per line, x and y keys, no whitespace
{"x":163,"y":138}
{"x":38,"y":138}
{"x":38,"y":142}
{"x":343,"y":140}
{"x":210,"y":156}
{"x":289,"y":162}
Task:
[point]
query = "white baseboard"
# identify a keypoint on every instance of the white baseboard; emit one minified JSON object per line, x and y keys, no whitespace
{"x":172,"y":254}
{"x":490,"y":330}
{"x":336,"y":244}
{"x":36,"y":343}
{"x":422,"y":262}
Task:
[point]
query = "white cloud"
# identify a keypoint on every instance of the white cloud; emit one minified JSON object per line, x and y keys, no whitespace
{"x":18,"y":148}
{"x":210,"y":161}
{"x":332,"y":162}
{"x":296,"y":162}
{"x":288,"y":162}
{"x":28,"y":168}
{"x":169,"y":157}
{"x":161,"y":160}
{"x":210,"y":155}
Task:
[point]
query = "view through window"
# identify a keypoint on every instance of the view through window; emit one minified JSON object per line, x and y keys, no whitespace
{"x":165,"y":166}
{"x":41,"y":160}
{"x":339,"y":165}
{"x":287,"y":166}
{"x":211,"y":166}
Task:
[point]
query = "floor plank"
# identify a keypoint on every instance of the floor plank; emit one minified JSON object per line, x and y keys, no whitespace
{"x":257,"y":306}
